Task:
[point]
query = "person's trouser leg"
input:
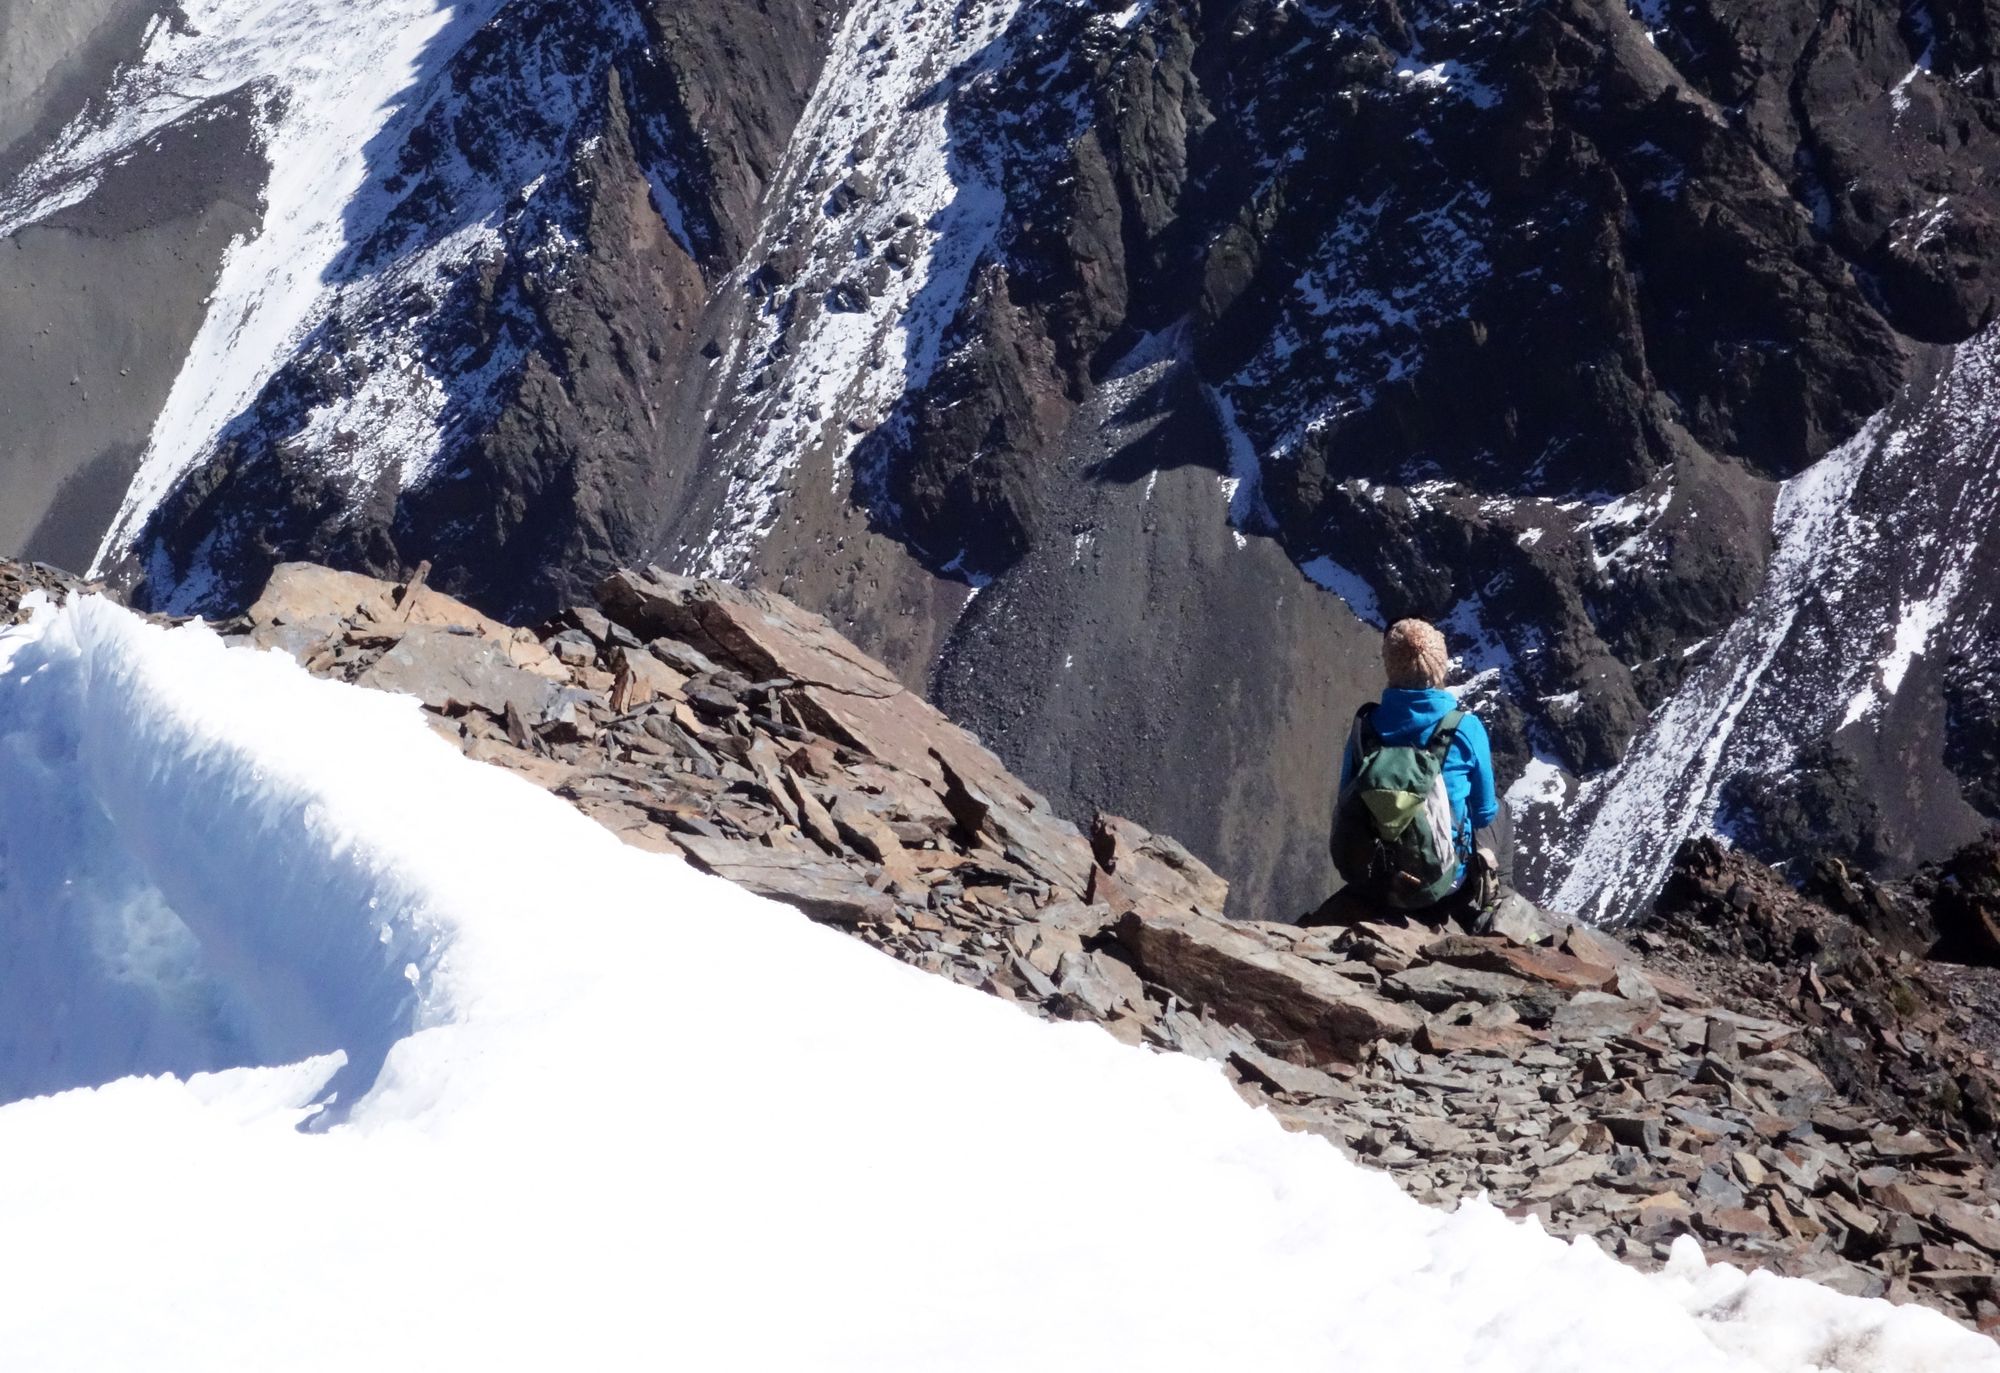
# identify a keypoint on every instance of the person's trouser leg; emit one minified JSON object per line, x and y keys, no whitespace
{"x":1498,"y":840}
{"x":1346,"y":906}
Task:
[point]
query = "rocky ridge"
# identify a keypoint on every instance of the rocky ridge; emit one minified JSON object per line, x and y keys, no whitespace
{"x":1818,"y":1106}
{"x":19,"y":581}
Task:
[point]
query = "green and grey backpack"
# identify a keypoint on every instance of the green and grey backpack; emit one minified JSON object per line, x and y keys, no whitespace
{"x":1393,"y":836}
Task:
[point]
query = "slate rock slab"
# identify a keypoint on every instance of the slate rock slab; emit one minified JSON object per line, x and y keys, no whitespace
{"x":1273,"y":993}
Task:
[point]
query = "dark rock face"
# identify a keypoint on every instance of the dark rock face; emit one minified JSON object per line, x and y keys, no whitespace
{"x":1972,"y":706}
{"x":1510,"y":316}
{"x":1964,"y":895}
{"x":572,"y":139}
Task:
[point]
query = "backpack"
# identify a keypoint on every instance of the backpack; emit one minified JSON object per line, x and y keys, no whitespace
{"x":1393,"y":835}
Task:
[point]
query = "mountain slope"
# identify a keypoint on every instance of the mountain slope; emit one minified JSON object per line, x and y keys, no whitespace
{"x":1152,"y":326}
{"x":1823,"y":717}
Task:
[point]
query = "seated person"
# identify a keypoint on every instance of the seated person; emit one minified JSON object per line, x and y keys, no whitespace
{"x":1418,"y":825}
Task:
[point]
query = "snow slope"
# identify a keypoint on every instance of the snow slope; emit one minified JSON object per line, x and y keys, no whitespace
{"x":330,"y":74}
{"x":1875,"y":555}
{"x":874,"y":152}
{"x":411,"y":145}
{"x":600,"y":1111}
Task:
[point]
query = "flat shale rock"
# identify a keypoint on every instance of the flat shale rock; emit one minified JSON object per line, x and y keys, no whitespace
{"x":1154,"y":869}
{"x":1530,"y":964}
{"x":1282,"y":1075}
{"x":1519,"y":920}
{"x":1274,"y":994}
{"x":1506,"y":1041}
{"x":765,"y":635}
{"x":1438,"y":986}
{"x":829,"y":892}
{"x":308,"y":594}
{"x":449,"y":671}
{"x":1603,"y":1014}
{"x":841,"y":692}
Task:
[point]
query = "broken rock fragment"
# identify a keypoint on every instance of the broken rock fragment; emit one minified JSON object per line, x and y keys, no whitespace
{"x":1274,"y":994}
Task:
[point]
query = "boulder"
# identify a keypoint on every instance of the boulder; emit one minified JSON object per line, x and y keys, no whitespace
{"x":1099,"y":984}
{"x":310,"y":595}
{"x":830,"y":892}
{"x":1437,"y":986}
{"x":1073,"y":917}
{"x":1154,"y":869}
{"x":1407,"y":941}
{"x":641,"y":678}
{"x":1503,"y":1041}
{"x":449,"y":670}
{"x":1518,"y":919}
{"x":1430,"y":1135}
{"x":1972,"y":1224}
{"x":1501,"y":955}
{"x":869,"y":836}
{"x":1592,"y":945}
{"x":1277,"y":995}
{"x":1664,"y":1208}
{"x":764,"y":636}
{"x":814,"y":820}
{"x":1021,"y":825}
{"x":1603,"y":1015}
{"x":1281,"y":1075}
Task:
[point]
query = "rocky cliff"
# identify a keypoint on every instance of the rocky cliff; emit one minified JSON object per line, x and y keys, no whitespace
{"x":1106,"y":370}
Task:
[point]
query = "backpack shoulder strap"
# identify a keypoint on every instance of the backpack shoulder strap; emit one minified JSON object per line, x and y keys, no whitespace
{"x":1367,"y":738}
{"x":1444,"y":736}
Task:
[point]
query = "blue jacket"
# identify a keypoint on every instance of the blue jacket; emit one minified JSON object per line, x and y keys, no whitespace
{"x":1407,"y":716}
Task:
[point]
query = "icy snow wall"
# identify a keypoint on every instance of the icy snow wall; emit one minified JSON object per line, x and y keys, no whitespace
{"x":172,"y":902}
{"x":601,"y":1111}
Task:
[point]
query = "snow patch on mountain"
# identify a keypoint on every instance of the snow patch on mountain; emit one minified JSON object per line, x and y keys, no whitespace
{"x":1624,"y":523}
{"x":1337,"y":342}
{"x":906,"y":210}
{"x":331,"y":76}
{"x":1243,"y":487}
{"x":1349,"y":585}
{"x":1542,"y":783}
{"x":1481,"y":655}
{"x":1857,"y":589}
{"x":1450,"y":75}
{"x":1918,"y":622}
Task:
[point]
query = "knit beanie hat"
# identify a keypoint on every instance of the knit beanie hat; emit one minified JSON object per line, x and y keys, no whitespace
{"x":1413,"y":655}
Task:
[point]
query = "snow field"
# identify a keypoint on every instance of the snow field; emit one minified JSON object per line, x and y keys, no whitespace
{"x":331,"y":77}
{"x":885,"y":86}
{"x":1666,"y":788}
{"x":1851,"y":598}
{"x":630,"y":1116}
